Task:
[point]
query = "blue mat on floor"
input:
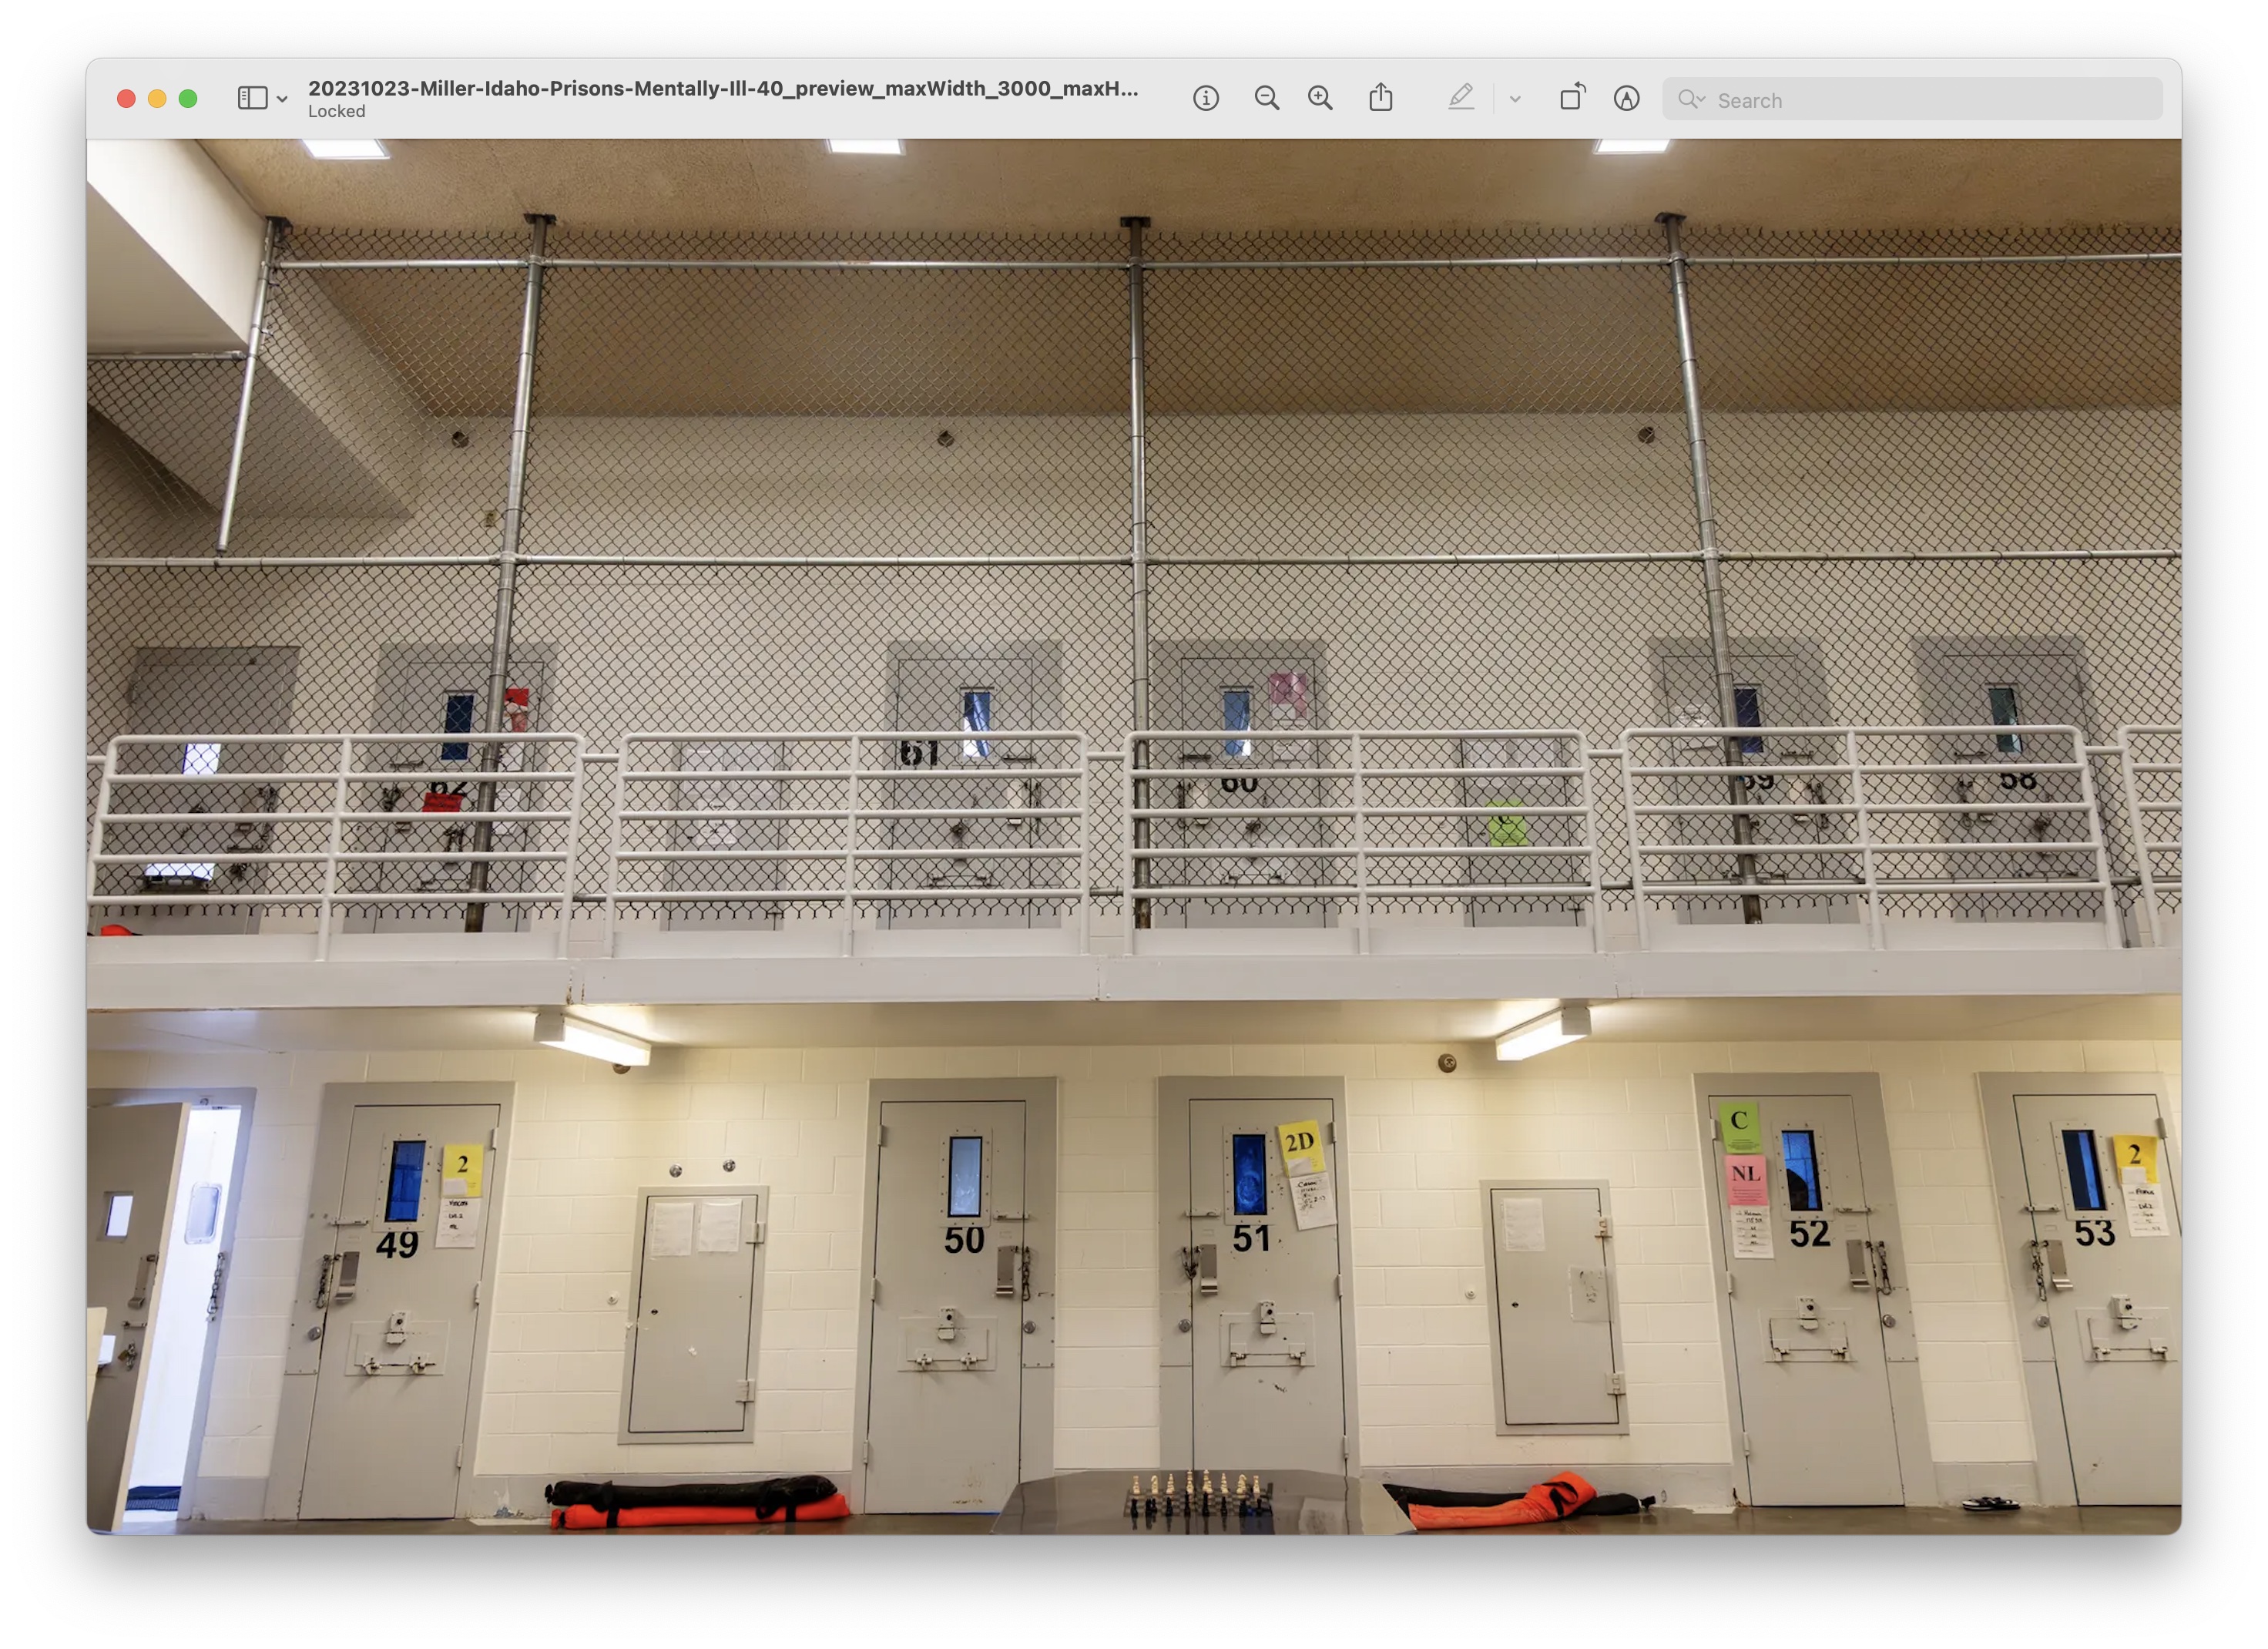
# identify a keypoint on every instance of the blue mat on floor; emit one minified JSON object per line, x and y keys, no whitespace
{"x":154,"y":1497}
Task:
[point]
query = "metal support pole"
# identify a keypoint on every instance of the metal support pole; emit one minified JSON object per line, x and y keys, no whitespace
{"x":508,"y":563}
{"x":1138,"y":747}
{"x":270,"y":237}
{"x":1713,"y":582}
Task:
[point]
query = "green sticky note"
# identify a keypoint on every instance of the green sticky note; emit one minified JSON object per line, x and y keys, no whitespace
{"x":1740,"y":1127}
{"x":1507,"y":830}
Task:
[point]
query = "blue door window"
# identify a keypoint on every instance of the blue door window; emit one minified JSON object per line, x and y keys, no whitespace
{"x":405,"y":1181}
{"x":1798,"y":1152}
{"x":1749,"y":711}
{"x":1236,"y":716}
{"x":1248,"y":1158}
{"x":2085,"y":1168}
{"x":2005,"y":714}
{"x":964,"y":1188}
{"x":976,"y":717}
{"x":457,"y":717}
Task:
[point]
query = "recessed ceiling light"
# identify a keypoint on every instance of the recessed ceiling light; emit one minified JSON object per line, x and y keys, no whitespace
{"x":346,"y":148}
{"x":865,"y":145}
{"x":1632,"y":145}
{"x":1570,"y":1022}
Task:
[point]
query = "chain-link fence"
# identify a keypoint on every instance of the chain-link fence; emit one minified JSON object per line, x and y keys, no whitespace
{"x":821,"y":484}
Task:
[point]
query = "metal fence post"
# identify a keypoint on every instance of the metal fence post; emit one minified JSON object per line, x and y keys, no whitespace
{"x":515,"y":489}
{"x":337,"y":843}
{"x":851,"y":852}
{"x":1138,"y":913}
{"x":1712,"y":581}
{"x":270,"y":237}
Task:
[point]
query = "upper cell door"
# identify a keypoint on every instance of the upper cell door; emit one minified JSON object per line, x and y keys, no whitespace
{"x":961,"y":829}
{"x":133,"y":1159}
{"x":2097,"y":1254}
{"x":2010,"y":683}
{"x":201,"y":695}
{"x":1777,"y":682}
{"x":1816,"y":1301}
{"x":394,"y":1309}
{"x":952,"y":1272}
{"x":1245,"y":803}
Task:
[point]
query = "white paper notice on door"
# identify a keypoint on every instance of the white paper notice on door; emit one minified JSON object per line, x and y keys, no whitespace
{"x":716,"y":1228}
{"x":1519,"y":1225}
{"x":460,"y":1222}
{"x":1313,"y":1203}
{"x":1751,"y":1232}
{"x":2146,"y":1207}
{"x":669,"y":1228}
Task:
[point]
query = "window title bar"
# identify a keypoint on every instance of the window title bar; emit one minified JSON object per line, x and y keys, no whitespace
{"x":899,"y":99}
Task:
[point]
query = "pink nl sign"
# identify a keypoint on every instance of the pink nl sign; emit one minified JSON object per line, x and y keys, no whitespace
{"x":1744,"y":1182}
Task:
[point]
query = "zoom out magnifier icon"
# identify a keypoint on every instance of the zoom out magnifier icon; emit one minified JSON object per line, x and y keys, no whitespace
{"x":1265,"y":96}
{"x":1320,"y":96}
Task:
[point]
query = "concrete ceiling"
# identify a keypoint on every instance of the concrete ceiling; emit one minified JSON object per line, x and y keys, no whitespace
{"x":1014,"y":188}
{"x":1459,"y":1024}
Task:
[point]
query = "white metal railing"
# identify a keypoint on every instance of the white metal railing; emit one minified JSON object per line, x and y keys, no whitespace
{"x":1199,"y":827}
{"x":215,"y":821}
{"x":1888,"y":812}
{"x":2150,"y":771}
{"x":833,"y":821}
{"x":1352,"y":818}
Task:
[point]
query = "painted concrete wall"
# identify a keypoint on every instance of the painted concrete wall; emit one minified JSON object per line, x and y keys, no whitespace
{"x":1416,"y":1147}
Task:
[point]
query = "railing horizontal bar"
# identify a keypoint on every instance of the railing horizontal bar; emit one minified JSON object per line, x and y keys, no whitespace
{"x":628,"y":559}
{"x":693,"y":855}
{"x":165,"y":355}
{"x":898,"y":265}
{"x":2040,"y":885}
{"x":1759,"y":848}
{"x":214,"y":564}
{"x":1949,"y":258}
{"x":450,"y":856}
{"x":657,"y":815}
{"x":1867,"y":770}
{"x":836,"y":895}
{"x":791,"y":775}
{"x":312,"y":900}
{"x":198,"y":856}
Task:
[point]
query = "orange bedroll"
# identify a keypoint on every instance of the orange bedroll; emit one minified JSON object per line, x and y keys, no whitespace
{"x":584,"y":1517}
{"x":1548,"y":1502}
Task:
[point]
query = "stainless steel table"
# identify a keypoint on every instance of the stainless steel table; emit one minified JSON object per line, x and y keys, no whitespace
{"x":1095,"y":1503}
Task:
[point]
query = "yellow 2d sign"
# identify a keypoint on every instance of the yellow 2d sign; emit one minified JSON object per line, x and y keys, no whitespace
{"x":1302,"y":1145}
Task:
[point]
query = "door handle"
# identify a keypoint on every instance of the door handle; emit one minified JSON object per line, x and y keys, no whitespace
{"x":2058,"y":1268}
{"x":145,"y":1278}
{"x":1859,"y":1256}
{"x":1005,"y":1277}
{"x":1207,"y":1270}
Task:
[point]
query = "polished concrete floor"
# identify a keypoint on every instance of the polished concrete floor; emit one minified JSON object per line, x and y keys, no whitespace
{"x":1743,"y":1520}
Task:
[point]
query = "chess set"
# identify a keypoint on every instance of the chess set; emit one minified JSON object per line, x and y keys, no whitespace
{"x":1252,"y":1500}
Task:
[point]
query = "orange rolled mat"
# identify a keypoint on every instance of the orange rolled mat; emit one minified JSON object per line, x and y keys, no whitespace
{"x":1548,"y":1502}
{"x":584,"y":1517}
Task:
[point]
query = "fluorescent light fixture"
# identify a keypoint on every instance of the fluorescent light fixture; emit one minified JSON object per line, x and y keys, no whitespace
{"x":1569,"y":1022}
{"x":555,"y":1028}
{"x":346,"y":148}
{"x":1632,"y":145}
{"x":865,"y":145}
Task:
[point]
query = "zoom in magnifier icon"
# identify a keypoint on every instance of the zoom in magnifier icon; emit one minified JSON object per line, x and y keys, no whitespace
{"x":1690,"y":98}
{"x":1320,"y":96}
{"x":1265,"y":96}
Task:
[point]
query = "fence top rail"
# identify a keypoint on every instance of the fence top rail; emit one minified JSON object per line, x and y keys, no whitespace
{"x":993,"y":735}
{"x":438,"y":737}
{"x":1864,"y":731}
{"x":1358,"y":732}
{"x":1107,"y":265}
{"x":2156,"y":727}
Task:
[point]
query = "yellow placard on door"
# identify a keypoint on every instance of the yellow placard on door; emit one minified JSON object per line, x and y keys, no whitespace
{"x":1302,"y":1145}
{"x":460,"y":1168}
{"x":2131,"y":1151}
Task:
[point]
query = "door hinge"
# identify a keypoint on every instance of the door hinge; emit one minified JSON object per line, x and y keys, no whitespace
{"x":1712,"y":1127}
{"x":460,"y":1461}
{"x":1745,"y":1449}
{"x":1331,"y":1133}
{"x":1728,"y":1284}
{"x":1345,"y":1454}
{"x":881,"y":1133}
{"x":866,"y":1454}
{"x":874,"y":1292}
{"x":1338,"y":1286}
{"x":745,"y":1392}
{"x":495,"y":1137}
{"x":1606,"y":1227}
{"x":476,"y":1294}
{"x":1616,"y":1386}
{"x":2161,"y":1129}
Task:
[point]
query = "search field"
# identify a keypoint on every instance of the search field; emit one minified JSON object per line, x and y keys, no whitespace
{"x":1940,"y":97}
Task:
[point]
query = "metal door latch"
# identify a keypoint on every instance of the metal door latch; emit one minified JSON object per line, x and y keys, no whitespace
{"x":1806,"y":1311}
{"x":2122,"y":1312}
{"x":923,"y":1359}
{"x":1263,"y":1320}
{"x":397,"y":1328}
{"x":948,"y":1323}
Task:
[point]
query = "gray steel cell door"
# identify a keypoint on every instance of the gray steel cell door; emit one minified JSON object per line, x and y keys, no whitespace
{"x":727,"y":784}
{"x":944,"y":1421}
{"x":689,"y":1370}
{"x":1268,"y":1383}
{"x":1988,"y":681}
{"x":398,"y":1295}
{"x":1778,"y":683}
{"x":1268,"y":690}
{"x":1811,"y":1282}
{"x":133,"y":1158}
{"x":2099,"y":1182}
{"x":193,"y":693}
{"x":977,"y":703}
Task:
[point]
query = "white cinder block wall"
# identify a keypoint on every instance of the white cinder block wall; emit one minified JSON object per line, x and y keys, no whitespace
{"x":1416,"y":1146}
